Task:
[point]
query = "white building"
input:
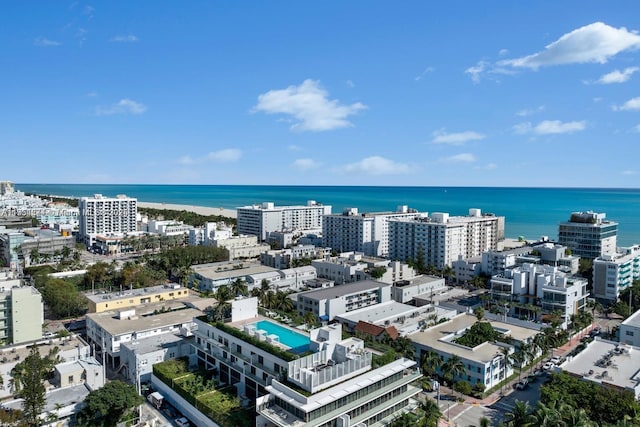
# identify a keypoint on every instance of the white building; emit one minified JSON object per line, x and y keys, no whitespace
{"x":168,"y":227}
{"x":441,"y":239}
{"x":6,"y":187}
{"x":615,"y":272}
{"x":588,"y":234}
{"x":630,"y":330}
{"x":260,"y":220}
{"x":543,"y":285}
{"x":282,"y":258}
{"x":484,"y":364}
{"x":404,"y":291}
{"x":328,"y":303}
{"x":211,"y":231}
{"x":138,"y":357}
{"x":466,"y":269}
{"x":367,"y":232}
{"x":101,"y":215}
{"x":243,"y":246}
{"x":109,"y":330}
{"x":346,"y":268}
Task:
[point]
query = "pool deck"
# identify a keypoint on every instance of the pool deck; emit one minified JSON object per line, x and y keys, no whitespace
{"x":241,"y":324}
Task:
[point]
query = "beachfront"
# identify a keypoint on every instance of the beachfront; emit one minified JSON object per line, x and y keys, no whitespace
{"x":200,"y":210}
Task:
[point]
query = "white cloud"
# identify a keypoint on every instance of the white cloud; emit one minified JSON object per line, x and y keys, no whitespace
{"x":426,"y":70}
{"x":294,"y":147}
{"x":92,"y":94}
{"x":226,"y":155}
{"x":629,"y":172}
{"x":503,"y":52}
{"x":45,"y":42}
{"x":596,"y":42}
{"x":124,"y":106}
{"x":631,"y":105}
{"x":350,"y":83}
{"x":124,"y":39}
{"x":617,"y":76}
{"x":376,"y":165}
{"x":306,"y":164}
{"x":549,"y":127}
{"x":477,"y":70}
{"x":636,"y":129}
{"x":530,"y":111}
{"x":309,"y":105}
{"x":459,"y":138}
{"x":459,"y":158}
{"x":491,"y":166}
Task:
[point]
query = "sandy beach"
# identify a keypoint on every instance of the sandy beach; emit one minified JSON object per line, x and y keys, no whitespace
{"x":200,"y":210}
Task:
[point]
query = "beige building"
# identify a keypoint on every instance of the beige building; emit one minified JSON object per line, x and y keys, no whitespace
{"x":99,"y":303}
{"x":21,"y":312}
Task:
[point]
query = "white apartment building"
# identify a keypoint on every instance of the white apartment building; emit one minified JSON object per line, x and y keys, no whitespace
{"x":544,"y":285}
{"x":168,"y":227}
{"x":441,"y":239}
{"x":404,"y":291}
{"x":346,"y":268}
{"x":243,"y":246}
{"x":483,"y":364}
{"x":327,"y":303}
{"x":281,"y":258}
{"x":100,"y":215}
{"x":6,"y":187}
{"x":588,"y":234}
{"x":260,"y":220}
{"x":613,"y":273}
{"x":367,"y":233}
{"x":211,"y":231}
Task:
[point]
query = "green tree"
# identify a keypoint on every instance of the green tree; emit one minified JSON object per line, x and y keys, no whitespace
{"x":430,"y":413}
{"x":520,"y":416}
{"x":310,"y":319}
{"x":377,"y":272}
{"x":28,"y":377}
{"x":479,"y":313}
{"x":62,"y":298}
{"x":239,"y":287}
{"x":453,"y":368}
{"x":108,"y":405}
{"x":430,"y":362}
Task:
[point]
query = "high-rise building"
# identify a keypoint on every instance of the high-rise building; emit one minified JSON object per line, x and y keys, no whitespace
{"x":615,"y":272}
{"x":440,"y":239}
{"x":260,"y":220}
{"x":367,"y":233}
{"x":588,"y":234}
{"x":101,"y":215}
{"x":6,"y":187}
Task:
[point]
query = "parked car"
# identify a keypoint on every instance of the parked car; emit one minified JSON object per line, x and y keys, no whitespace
{"x":556,"y":360}
{"x":595,"y":332}
{"x":547,"y":366}
{"x":182,"y":422}
{"x":522,"y":384}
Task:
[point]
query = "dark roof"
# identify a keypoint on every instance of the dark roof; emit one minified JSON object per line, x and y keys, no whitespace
{"x":375,"y":330}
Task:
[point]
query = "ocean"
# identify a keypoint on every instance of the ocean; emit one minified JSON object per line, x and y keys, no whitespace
{"x":529,"y":212}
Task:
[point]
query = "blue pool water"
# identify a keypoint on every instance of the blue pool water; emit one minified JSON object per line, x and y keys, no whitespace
{"x":298,"y":343}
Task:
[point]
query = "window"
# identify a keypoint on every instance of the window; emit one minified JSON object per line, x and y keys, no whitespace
{"x":70,"y":379}
{"x":260,"y":360}
{"x":144,"y":362}
{"x":629,"y":333}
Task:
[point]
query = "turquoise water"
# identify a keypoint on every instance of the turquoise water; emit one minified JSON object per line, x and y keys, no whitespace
{"x":298,"y":343}
{"x":528,"y":212}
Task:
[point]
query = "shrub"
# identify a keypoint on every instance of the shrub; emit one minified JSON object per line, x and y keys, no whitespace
{"x":462,"y":387}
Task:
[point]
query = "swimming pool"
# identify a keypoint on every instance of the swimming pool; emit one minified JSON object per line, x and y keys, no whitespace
{"x":296,"y":342}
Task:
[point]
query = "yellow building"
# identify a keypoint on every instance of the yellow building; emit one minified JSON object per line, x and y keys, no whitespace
{"x":99,"y":303}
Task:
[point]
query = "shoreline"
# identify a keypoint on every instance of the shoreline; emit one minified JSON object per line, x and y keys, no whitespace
{"x":200,"y":210}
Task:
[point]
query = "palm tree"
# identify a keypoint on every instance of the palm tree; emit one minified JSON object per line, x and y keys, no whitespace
{"x":548,"y":415}
{"x":431,"y":413}
{"x":485,"y":422}
{"x":429,"y":363}
{"x":448,"y":273}
{"x":452,"y":368}
{"x":576,"y":418}
{"x":520,"y":358}
{"x":310,"y":319}
{"x":223,"y":294}
{"x":239,"y":287}
{"x":507,"y":360}
{"x":520,"y":416}
{"x":284,"y":303}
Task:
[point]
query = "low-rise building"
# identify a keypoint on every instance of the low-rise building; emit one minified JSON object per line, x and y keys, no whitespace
{"x":483,"y":364}
{"x":630,"y":330}
{"x":404,"y":291}
{"x":108,"y":330}
{"x":328,"y":303}
{"x":609,"y":363}
{"x":241,"y":247}
{"x":348,"y":267}
{"x":100,"y":302}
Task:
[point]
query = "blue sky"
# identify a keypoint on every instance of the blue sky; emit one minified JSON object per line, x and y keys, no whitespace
{"x":455,"y":93}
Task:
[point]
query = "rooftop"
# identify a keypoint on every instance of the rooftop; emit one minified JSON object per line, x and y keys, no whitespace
{"x":607,"y":362}
{"x":223,"y":270}
{"x":144,"y":319}
{"x":17,"y":353}
{"x":150,"y":344}
{"x":342,"y":290}
{"x":439,"y":338}
{"x":633,"y":320}
{"x":152,"y":290}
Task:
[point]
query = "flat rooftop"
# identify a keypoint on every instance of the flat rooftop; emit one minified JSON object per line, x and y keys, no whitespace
{"x":380,"y":312}
{"x":57,"y":398}
{"x":418,"y":280}
{"x":223,"y":270}
{"x":607,"y":362}
{"x":179,"y":312}
{"x":17,"y":353}
{"x":436,"y":338}
{"x":157,"y":342}
{"x":346,"y":289}
{"x":152,"y":290}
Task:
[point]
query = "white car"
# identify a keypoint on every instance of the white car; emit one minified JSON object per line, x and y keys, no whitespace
{"x":555,"y":360}
{"x":182,"y":422}
{"x":547,"y":366}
